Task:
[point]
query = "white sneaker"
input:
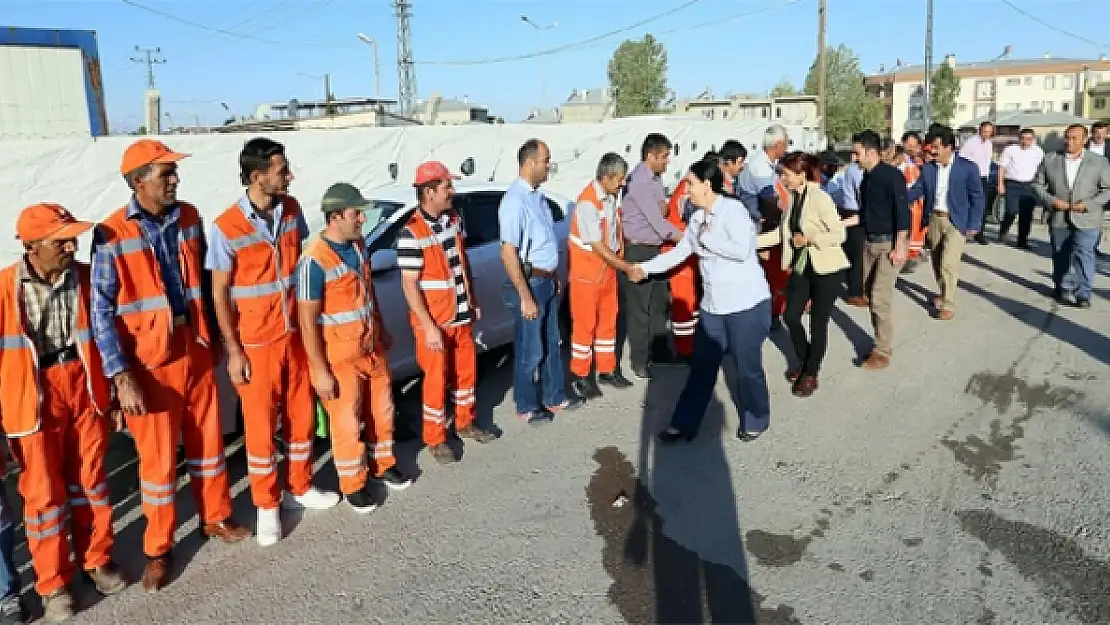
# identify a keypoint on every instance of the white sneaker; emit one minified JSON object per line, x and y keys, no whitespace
{"x":268,"y":528}
{"x":312,"y":499}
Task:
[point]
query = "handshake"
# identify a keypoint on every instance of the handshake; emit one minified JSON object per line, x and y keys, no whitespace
{"x":635,"y":273}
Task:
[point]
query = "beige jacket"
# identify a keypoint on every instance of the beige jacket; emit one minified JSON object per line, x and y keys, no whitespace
{"x":821,"y":225}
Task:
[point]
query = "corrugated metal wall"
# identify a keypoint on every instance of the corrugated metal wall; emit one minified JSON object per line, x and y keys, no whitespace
{"x":50,"y":84}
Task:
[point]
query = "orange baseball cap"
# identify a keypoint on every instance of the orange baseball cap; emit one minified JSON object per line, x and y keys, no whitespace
{"x":40,"y":222}
{"x":146,"y":152}
{"x":432,"y":171}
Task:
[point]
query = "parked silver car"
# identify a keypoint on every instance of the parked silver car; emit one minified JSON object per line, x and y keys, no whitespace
{"x":476,"y":204}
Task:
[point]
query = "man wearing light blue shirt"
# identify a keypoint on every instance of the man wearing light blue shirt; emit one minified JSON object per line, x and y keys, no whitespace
{"x":847,"y":200}
{"x":530,"y":253}
{"x":756,"y":183}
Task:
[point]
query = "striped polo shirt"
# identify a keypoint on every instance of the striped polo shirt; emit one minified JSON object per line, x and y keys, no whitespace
{"x":411,"y":258}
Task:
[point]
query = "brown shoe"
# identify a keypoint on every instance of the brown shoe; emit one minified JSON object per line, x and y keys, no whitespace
{"x":876,"y":361}
{"x":107,"y":579}
{"x":859,"y":301}
{"x":443,"y":454}
{"x":477,"y":434}
{"x":157,"y":573}
{"x":226,"y":531}
{"x":946,"y":315}
{"x":805,"y":386}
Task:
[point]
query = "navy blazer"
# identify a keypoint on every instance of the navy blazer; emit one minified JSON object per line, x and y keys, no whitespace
{"x":966,"y":201}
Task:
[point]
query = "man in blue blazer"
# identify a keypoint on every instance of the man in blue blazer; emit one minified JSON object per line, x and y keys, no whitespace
{"x":954,"y":204}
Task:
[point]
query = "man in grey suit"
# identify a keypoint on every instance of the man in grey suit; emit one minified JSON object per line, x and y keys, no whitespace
{"x":1075,"y":186}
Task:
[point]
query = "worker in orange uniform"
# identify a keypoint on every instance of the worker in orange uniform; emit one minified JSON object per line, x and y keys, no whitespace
{"x":55,"y":407}
{"x":594,"y":256}
{"x":683,"y":280}
{"x":252,"y":254}
{"x":435,"y":279}
{"x":911,"y":169}
{"x":152,"y":326}
{"x":346,"y":343}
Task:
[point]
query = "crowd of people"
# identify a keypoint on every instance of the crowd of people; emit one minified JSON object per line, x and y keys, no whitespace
{"x":134,"y":338}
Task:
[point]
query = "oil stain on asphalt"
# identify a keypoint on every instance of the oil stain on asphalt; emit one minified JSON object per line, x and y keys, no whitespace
{"x":655,"y":579}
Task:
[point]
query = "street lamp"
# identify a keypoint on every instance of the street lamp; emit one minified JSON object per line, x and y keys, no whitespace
{"x":543,"y":71}
{"x":377,"y":69}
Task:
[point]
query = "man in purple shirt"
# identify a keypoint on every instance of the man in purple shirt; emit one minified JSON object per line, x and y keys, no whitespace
{"x":645,"y":231}
{"x":980,"y":150}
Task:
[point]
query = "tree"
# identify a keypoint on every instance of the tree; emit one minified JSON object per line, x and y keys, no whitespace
{"x":783,"y":88}
{"x":848,"y":107}
{"x":638,"y":76}
{"x":943,"y":91}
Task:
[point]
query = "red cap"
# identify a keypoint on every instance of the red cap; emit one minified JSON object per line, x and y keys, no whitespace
{"x":432,"y":171}
{"x":145,"y":152}
{"x":40,"y":222}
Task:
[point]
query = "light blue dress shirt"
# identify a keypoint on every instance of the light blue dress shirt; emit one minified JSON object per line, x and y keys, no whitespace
{"x":527,"y":224}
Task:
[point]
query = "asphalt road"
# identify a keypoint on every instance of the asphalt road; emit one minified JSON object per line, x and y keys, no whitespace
{"x":965,"y":484}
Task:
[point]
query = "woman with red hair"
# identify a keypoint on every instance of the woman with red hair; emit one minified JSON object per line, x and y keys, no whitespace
{"x":809,"y":240}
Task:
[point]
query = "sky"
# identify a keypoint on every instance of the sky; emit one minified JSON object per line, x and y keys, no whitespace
{"x":273,"y":50}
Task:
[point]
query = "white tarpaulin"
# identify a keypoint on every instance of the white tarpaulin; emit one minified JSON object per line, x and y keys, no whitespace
{"x":83,"y":174}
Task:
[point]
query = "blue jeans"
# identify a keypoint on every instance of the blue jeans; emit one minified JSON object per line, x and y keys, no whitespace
{"x":1073,"y":260}
{"x":9,"y":575}
{"x":740,"y":335}
{"x":538,"y":361}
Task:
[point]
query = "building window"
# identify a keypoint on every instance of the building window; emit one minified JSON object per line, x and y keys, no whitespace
{"x":1028,"y":81}
{"x":1049,"y":82}
{"x":1035,"y":104}
{"x":1065,"y":107}
{"x":1048,"y":106}
{"x":1100,"y":103}
{"x":724,"y":114}
{"x":764,"y":112}
{"x":778,"y":112}
{"x":1013,"y":106}
{"x":984,"y":89}
{"x":962,"y":108}
{"x":1013,"y":82}
{"x":1066,"y":83}
{"x":982,"y":110}
{"x":917,"y":113}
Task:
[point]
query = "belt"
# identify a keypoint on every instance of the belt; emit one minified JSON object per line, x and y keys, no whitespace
{"x":541,"y":273}
{"x":1024,"y":182}
{"x":940,"y":214}
{"x":879,"y":238}
{"x":180,"y":320}
{"x":59,"y":357}
{"x":631,"y":242}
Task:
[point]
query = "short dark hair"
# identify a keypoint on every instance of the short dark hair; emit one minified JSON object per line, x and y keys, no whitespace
{"x":529,"y":151}
{"x":946,"y":135}
{"x":732,"y":150}
{"x":1098,"y":125}
{"x":912,"y":134}
{"x":653,"y":143}
{"x":869,"y":139}
{"x":256,"y":155}
{"x":802,"y":163}
{"x":709,"y":170}
{"x":985,"y":124}
{"x":420,"y":188}
{"x":1079,"y":126}
{"x":1029,"y":131}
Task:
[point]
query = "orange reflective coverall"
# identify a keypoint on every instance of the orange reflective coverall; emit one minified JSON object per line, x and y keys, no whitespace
{"x":56,"y":420}
{"x":912,"y":171}
{"x":593,"y":290}
{"x":683,"y":281}
{"x":263,"y":291}
{"x":357,"y":358}
{"x":172,"y":362}
{"x":777,"y":277}
{"x":456,"y":366}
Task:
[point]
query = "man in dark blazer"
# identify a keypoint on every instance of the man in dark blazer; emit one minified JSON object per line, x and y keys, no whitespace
{"x":954,"y":205}
{"x":1099,"y":144}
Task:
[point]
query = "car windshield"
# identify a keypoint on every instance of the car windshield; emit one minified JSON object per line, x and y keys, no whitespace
{"x":379,"y":212}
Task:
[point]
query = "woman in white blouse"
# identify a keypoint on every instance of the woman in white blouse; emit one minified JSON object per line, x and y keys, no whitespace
{"x":735,"y":307}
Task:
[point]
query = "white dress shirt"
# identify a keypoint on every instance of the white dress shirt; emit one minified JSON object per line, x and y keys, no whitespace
{"x":1071,"y":167}
{"x":944,"y":174}
{"x":1098,"y":149}
{"x":732,"y":278}
{"x":1020,"y":164}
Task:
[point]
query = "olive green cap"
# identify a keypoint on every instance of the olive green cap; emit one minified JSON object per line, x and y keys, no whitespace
{"x":342,"y":196}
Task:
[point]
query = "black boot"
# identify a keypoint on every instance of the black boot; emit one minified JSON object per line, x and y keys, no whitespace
{"x":585,"y":387}
{"x":614,"y":379}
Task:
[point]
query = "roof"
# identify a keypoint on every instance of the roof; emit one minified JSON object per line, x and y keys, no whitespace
{"x":1030,"y":119}
{"x":597,"y":95}
{"x":1028,"y":66}
{"x":542,"y":116}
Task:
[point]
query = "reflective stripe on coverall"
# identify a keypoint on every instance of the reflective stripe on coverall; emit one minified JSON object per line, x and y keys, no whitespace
{"x":912,"y":172}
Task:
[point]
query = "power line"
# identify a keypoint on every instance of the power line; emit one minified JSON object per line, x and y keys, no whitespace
{"x":1040,"y":21}
{"x":225,"y":31}
{"x":569,"y":46}
{"x":150,"y":62}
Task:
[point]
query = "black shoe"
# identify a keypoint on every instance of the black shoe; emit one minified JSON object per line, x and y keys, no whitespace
{"x":585,"y":388}
{"x":641,"y":371}
{"x":671,"y":435}
{"x":614,"y":379}
{"x":395,"y":480}
{"x":748,"y":437}
{"x":12,"y":612}
{"x":1082,"y":303}
{"x":981,"y":239}
{"x":543,"y":415}
{"x":362,"y":501}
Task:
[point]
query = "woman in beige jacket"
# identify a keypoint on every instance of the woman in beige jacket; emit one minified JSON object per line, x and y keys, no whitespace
{"x":810,"y":235}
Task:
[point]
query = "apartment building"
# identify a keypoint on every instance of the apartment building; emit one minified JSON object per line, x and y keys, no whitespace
{"x":800,"y":110}
{"x":588,"y":106}
{"x":440,"y":111}
{"x":991,"y":88}
{"x":1099,"y":97}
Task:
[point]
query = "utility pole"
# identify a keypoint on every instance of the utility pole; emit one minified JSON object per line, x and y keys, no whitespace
{"x":822,"y":68}
{"x":328,"y":108}
{"x":406,"y":73}
{"x":927,"y":112}
{"x":150,"y":61}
